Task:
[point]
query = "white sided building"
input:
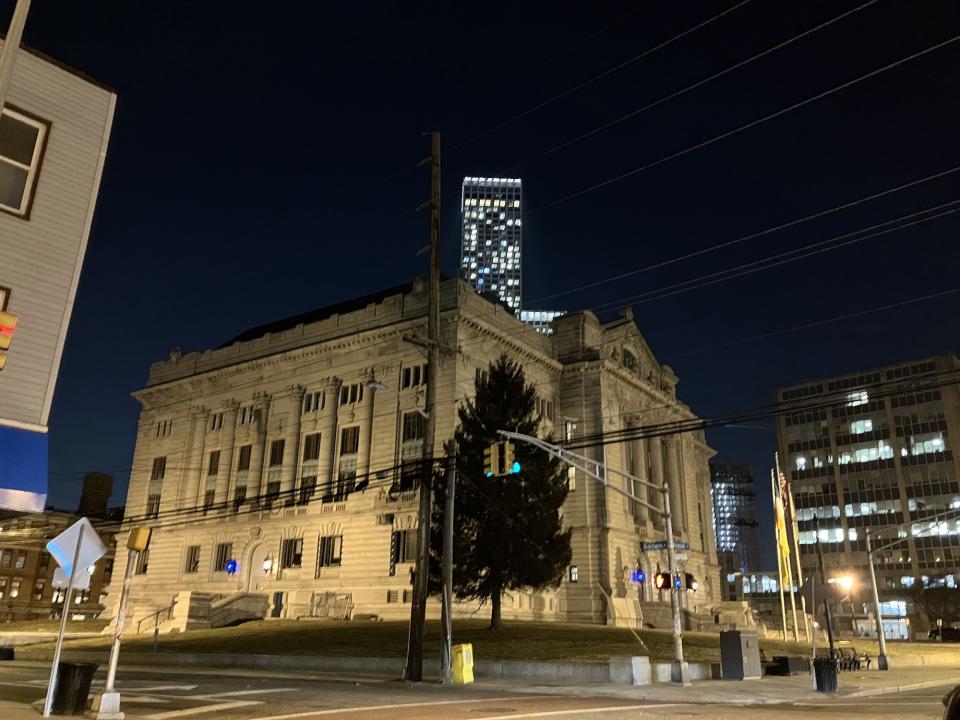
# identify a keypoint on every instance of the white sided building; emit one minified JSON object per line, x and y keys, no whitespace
{"x":54,"y":129}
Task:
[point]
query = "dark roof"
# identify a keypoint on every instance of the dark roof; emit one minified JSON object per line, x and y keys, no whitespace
{"x":319,"y":314}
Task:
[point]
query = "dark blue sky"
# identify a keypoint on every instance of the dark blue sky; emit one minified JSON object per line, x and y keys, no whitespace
{"x":261,"y":154}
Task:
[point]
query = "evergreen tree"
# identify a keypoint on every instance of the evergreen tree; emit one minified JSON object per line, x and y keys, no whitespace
{"x":508,"y":531}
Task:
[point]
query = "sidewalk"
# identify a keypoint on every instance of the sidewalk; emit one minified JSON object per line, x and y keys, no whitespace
{"x":760,"y":691}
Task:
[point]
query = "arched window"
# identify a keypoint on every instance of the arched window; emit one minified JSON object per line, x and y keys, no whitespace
{"x":629,"y":360}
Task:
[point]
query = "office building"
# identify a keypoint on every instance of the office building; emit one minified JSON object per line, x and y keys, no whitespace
{"x":541,"y":320}
{"x":269,"y":465}
{"x":735,"y":521}
{"x":491,"y":237}
{"x":54,"y":128}
{"x":874,"y":450}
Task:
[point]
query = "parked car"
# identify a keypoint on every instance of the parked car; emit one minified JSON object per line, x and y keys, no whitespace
{"x":950,"y":634}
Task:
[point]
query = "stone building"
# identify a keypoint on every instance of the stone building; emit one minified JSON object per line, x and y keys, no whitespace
{"x":278,"y":473}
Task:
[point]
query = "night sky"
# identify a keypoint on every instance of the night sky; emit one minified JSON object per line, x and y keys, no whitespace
{"x":262,"y":164}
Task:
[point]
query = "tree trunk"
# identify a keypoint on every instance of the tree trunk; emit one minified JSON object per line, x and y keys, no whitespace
{"x":495,"y":610}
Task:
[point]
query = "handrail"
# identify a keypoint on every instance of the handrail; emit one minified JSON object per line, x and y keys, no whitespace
{"x":156,"y":616}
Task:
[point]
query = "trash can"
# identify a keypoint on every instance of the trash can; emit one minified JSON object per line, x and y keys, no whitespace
{"x":73,"y":687}
{"x":825,"y":673}
{"x":462,"y":664}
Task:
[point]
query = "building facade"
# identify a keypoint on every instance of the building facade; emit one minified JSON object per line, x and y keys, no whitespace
{"x":284,"y":464}
{"x":874,"y":450}
{"x":54,"y":129}
{"x":735,"y":521}
{"x":491,"y":236}
{"x":541,"y":320}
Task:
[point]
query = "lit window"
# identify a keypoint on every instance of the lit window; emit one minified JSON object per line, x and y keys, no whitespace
{"x":859,"y":397}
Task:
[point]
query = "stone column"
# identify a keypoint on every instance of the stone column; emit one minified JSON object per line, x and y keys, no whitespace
{"x":193,"y":458}
{"x":639,"y":464}
{"x":291,"y":443}
{"x":328,"y":436}
{"x":366,"y":437}
{"x":255,"y":484}
{"x":226,"y":473}
{"x":656,"y":477}
{"x":675,"y":481}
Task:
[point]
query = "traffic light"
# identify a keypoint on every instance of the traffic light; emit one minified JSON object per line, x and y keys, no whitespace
{"x":660,"y":580}
{"x":8,"y":323}
{"x":500,"y":459}
{"x":692,"y":583}
{"x":677,"y":582}
{"x":491,"y":461}
{"x":638,"y":576}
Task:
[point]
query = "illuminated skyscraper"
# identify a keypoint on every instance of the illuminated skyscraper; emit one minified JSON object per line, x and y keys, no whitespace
{"x":734,"y":521}
{"x":491,"y":234}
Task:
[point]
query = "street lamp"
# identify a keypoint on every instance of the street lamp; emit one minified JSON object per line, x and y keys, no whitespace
{"x":881,"y":637}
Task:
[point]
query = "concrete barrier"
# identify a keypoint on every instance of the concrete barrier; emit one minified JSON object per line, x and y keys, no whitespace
{"x":17,"y":639}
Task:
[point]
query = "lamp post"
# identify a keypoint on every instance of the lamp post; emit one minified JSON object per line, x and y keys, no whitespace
{"x":882,"y":658}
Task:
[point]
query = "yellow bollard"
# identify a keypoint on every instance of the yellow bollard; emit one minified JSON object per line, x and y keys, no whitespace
{"x":462,"y":664}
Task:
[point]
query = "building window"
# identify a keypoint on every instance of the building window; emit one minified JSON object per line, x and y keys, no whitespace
{"x":216,"y":422}
{"x":404,"y":546}
{"x":629,"y":360}
{"x":208,"y":500}
{"x":411,"y":450}
{"x":350,"y":394}
{"x":574,"y":574}
{"x":155,"y":486}
{"x":223,"y":556}
{"x":213,"y":466}
{"x":192,"y":562}
{"x":291,"y":553}
{"x":143,"y":560}
{"x":15,"y":588}
{"x":569,"y":429}
{"x":243,"y":462}
{"x":5,"y":558}
{"x":247,"y":415}
{"x":164,"y":428}
{"x":413,"y":376}
{"x":330,"y":551}
{"x":22,"y":140}
{"x":21,"y":560}
{"x":349,"y":445}
{"x":38,"y":588}
{"x":239,"y":496}
{"x":312,"y":402}
{"x":276,"y":453}
{"x":859,"y":397}
{"x":3,"y":587}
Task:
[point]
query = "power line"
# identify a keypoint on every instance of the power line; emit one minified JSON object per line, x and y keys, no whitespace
{"x":688,"y":88}
{"x":741,"y":128}
{"x":826,"y":321}
{"x":754,"y":235}
{"x":595,"y":78}
{"x":780,"y":258}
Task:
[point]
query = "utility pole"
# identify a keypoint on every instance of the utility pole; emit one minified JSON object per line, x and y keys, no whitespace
{"x":418,"y":610}
{"x":446,"y":648}
{"x":10,"y":45}
{"x":882,"y":659}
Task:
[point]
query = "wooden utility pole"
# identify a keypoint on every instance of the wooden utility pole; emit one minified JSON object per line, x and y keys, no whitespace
{"x":10,"y":45}
{"x":418,"y":610}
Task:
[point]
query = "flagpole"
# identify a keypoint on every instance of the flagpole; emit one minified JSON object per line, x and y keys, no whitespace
{"x":796,"y":543}
{"x":785,"y":548}
{"x":776,"y":532}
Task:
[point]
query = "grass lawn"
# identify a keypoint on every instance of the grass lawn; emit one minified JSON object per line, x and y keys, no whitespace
{"x":52,"y":626}
{"x":515,"y":641}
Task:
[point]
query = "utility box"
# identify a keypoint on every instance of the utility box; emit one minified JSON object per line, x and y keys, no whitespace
{"x":462,"y":664}
{"x":740,"y":655}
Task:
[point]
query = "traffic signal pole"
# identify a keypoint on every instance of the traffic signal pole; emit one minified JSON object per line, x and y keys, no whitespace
{"x":679,"y":670}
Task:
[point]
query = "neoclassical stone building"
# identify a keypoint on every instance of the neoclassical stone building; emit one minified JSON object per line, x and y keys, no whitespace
{"x":276,"y":469}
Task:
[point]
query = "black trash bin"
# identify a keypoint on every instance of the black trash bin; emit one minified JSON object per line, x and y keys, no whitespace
{"x":73,"y":687}
{"x":825,"y":672}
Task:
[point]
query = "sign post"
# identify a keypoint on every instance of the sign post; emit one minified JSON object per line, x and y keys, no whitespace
{"x":77,"y":546}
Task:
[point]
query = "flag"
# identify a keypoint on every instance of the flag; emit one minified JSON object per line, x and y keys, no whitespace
{"x":783,"y":543}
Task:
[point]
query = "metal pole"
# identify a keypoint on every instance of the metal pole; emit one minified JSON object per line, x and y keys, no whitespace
{"x":446,"y":649}
{"x":418,"y":610}
{"x":882,"y":658}
{"x":10,"y":46}
{"x":52,"y":683}
{"x":777,"y":540}
{"x":796,"y":549}
{"x":826,"y":599}
{"x":679,"y":671}
{"x":121,"y":616}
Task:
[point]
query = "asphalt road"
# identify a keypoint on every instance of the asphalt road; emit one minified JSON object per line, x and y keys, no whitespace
{"x":168,"y":693}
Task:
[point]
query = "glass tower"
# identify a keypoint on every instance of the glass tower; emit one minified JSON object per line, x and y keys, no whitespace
{"x":490,"y":212}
